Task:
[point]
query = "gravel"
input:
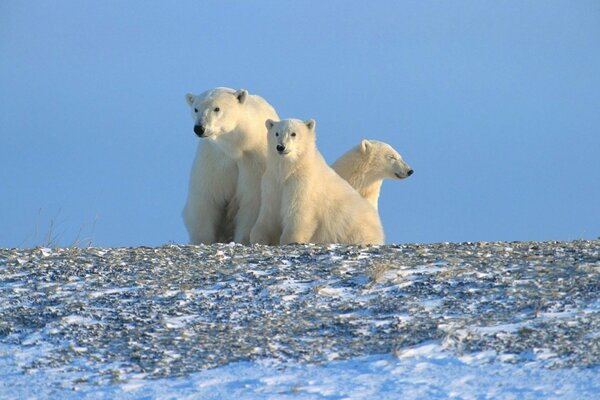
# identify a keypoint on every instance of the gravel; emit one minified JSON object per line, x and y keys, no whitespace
{"x":110,"y":313}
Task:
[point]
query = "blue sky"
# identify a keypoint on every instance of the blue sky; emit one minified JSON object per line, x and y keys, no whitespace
{"x":494,"y":104}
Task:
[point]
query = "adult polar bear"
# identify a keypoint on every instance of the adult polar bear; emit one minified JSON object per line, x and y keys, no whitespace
{"x":224,"y":194}
{"x":303,"y":199}
{"x":368,"y":164}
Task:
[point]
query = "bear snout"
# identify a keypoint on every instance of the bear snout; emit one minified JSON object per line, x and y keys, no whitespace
{"x":402,"y":176}
{"x":199,"y":130}
{"x":280,"y":148}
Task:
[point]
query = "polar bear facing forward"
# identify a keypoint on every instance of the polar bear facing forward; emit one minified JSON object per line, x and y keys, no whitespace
{"x":303,"y":199}
{"x":210,"y":207}
{"x":224,"y":196}
{"x":366,"y":166}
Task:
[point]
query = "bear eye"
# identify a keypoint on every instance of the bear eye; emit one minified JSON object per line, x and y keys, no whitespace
{"x":195,"y":110}
{"x":276,"y":133}
{"x":293,"y":133}
{"x":217,"y":109}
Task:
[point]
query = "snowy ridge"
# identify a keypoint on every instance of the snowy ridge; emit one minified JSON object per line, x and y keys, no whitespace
{"x":302,"y":320}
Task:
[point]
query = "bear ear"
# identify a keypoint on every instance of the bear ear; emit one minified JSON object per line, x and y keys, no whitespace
{"x":269,"y":123}
{"x":241,"y":95}
{"x":310,"y":124}
{"x":365,"y":146}
{"x":190,"y":98}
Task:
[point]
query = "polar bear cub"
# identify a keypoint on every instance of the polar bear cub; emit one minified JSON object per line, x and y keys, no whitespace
{"x":303,"y":199}
{"x":365,"y":167}
{"x":224,"y":195}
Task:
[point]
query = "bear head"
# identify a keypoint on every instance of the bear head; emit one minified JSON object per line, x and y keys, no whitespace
{"x":289,"y":139}
{"x":383,"y":160}
{"x":216,"y":111}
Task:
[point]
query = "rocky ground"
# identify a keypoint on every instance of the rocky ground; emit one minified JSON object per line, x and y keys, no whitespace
{"x":171,"y":311}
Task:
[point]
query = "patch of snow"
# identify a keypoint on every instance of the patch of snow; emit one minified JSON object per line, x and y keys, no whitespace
{"x":79,"y":320}
{"x":180,"y":321}
{"x":335,"y":292}
{"x":108,"y":292}
{"x":492,"y":329}
{"x":431,"y":304}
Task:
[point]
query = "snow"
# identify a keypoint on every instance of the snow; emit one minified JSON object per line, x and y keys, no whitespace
{"x":424,"y":371}
{"x":302,"y":322}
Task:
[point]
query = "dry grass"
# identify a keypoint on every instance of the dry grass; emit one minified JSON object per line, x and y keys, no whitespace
{"x":53,"y":236}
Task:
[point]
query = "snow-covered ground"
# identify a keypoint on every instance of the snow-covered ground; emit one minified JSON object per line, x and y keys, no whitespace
{"x":468,"y":320}
{"x":421,"y":372}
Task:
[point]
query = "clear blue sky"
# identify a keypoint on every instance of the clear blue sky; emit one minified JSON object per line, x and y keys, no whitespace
{"x":496,"y":105}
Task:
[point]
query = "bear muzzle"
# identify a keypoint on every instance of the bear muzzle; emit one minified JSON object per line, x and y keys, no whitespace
{"x":408,"y":173}
{"x":199,"y":130}
{"x":281,"y":149}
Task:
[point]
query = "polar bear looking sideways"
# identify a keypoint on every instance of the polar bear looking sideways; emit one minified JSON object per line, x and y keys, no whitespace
{"x":303,"y":199}
{"x":366,"y":166}
{"x":224,"y":196}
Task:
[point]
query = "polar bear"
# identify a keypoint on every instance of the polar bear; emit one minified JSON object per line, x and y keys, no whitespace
{"x":210,"y":208}
{"x":224,"y":196}
{"x":303,"y":199}
{"x":365,"y":167}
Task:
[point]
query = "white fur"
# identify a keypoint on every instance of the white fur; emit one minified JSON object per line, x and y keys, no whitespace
{"x":224,"y":196}
{"x":210,"y":205}
{"x":304,"y":200}
{"x":368,"y":164}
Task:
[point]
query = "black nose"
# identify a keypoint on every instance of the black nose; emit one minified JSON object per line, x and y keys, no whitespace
{"x":410,"y":172}
{"x":199,"y":130}
{"x":280,"y":148}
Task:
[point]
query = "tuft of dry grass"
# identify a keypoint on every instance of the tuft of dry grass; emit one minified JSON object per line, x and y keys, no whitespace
{"x":377,"y":270}
{"x":54,"y":233}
